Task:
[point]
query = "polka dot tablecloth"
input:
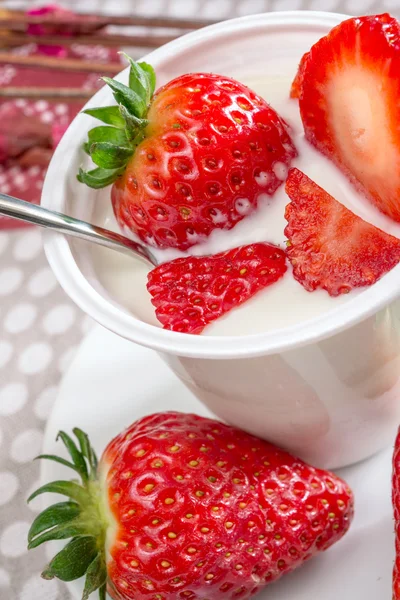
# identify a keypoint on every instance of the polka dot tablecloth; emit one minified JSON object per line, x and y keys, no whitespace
{"x":40,"y":328}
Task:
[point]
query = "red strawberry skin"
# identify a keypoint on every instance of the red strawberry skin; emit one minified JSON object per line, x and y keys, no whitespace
{"x":396,"y":511}
{"x":204,"y":510}
{"x":329,"y":246}
{"x":349,"y":105}
{"x":189,"y":293}
{"x":295,"y":90}
{"x":210,"y":151}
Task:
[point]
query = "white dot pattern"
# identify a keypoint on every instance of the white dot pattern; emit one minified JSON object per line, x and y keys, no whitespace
{"x":13,"y":539}
{"x":42,"y":283}
{"x":10,"y":280}
{"x":35,"y":358}
{"x":28,"y":245}
{"x":26,"y":446}
{"x":13,"y":397}
{"x":59,"y":319}
{"x":8,"y":488}
{"x":28,"y":391}
{"x":20,"y":317}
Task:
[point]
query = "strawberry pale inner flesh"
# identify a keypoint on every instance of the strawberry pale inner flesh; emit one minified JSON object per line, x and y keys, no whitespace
{"x":356,"y":104}
{"x":353,"y":110}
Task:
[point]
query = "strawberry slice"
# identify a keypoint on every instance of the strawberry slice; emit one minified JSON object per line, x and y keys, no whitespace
{"x":295,"y":90}
{"x":349,"y":104}
{"x":190,"y":292}
{"x":329,"y":246}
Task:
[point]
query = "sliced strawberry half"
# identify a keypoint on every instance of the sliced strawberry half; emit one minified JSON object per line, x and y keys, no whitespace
{"x":349,"y":104}
{"x":191,"y":292}
{"x":329,"y":246}
{"x":297,"y":84}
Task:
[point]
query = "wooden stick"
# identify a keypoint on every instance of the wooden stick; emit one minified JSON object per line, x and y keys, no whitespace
{"x":108,"y":40}
{"x":9,"y":18}
{"x":46,"y":93}
{"x":66,"y":64}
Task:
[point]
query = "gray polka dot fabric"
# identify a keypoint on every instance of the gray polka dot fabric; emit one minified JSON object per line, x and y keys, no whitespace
{"x":40,"y":328}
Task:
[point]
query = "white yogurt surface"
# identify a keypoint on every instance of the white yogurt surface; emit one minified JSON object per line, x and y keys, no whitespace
{"x":284,"y":303}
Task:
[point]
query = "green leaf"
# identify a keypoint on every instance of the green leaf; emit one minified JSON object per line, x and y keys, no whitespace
{"x":66,"y":488}
{"x":107,"y":134}
{"x":59,"y":532}
{"x":133,"y":125}
{"x":73,"y":561}
{"x":77,"y":457}
{"x":96,"y":576}
{"x":127,"y":97}
{"x":63,"y":512}
{"x":99,"y":178}
{"x":151,"y":76}
{"x":57,"y":459}
{"x":107,"y":114}
{"x":110,"y":156}
{"x":86,"y":448}
{"x":138,"y":80}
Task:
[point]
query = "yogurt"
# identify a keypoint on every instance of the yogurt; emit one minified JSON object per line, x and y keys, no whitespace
{"x":286,"y":302}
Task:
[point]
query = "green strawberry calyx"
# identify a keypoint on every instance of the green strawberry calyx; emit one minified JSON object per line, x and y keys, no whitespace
{"x":81,"y":518}
{"x":110,"y":146}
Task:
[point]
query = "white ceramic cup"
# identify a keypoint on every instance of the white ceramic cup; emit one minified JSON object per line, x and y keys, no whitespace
{"x":326,"y":389}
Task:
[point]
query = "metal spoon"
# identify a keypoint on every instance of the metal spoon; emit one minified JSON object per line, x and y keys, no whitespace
{"x":24,"y":211}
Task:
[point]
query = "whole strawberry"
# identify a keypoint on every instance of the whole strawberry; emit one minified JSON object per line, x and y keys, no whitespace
{"x":193,"y":158}
{"x":186,"y":507}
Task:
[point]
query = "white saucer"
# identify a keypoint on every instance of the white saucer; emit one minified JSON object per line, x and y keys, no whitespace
{"x":112,"y":382}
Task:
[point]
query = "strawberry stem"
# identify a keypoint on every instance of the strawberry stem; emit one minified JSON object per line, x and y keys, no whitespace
{"x":80,"y":519}
{"x":112,"y":146}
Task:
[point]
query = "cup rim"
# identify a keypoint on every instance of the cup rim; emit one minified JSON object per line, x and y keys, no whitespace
{"x":106,"y":313}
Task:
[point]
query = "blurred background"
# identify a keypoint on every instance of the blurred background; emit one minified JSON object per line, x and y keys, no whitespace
{"x":217,"y":9}
{"x":221,"y":9}
{"x":47,"y":71}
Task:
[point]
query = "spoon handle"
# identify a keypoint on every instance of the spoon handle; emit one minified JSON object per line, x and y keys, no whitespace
{"x":31,"y":213}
